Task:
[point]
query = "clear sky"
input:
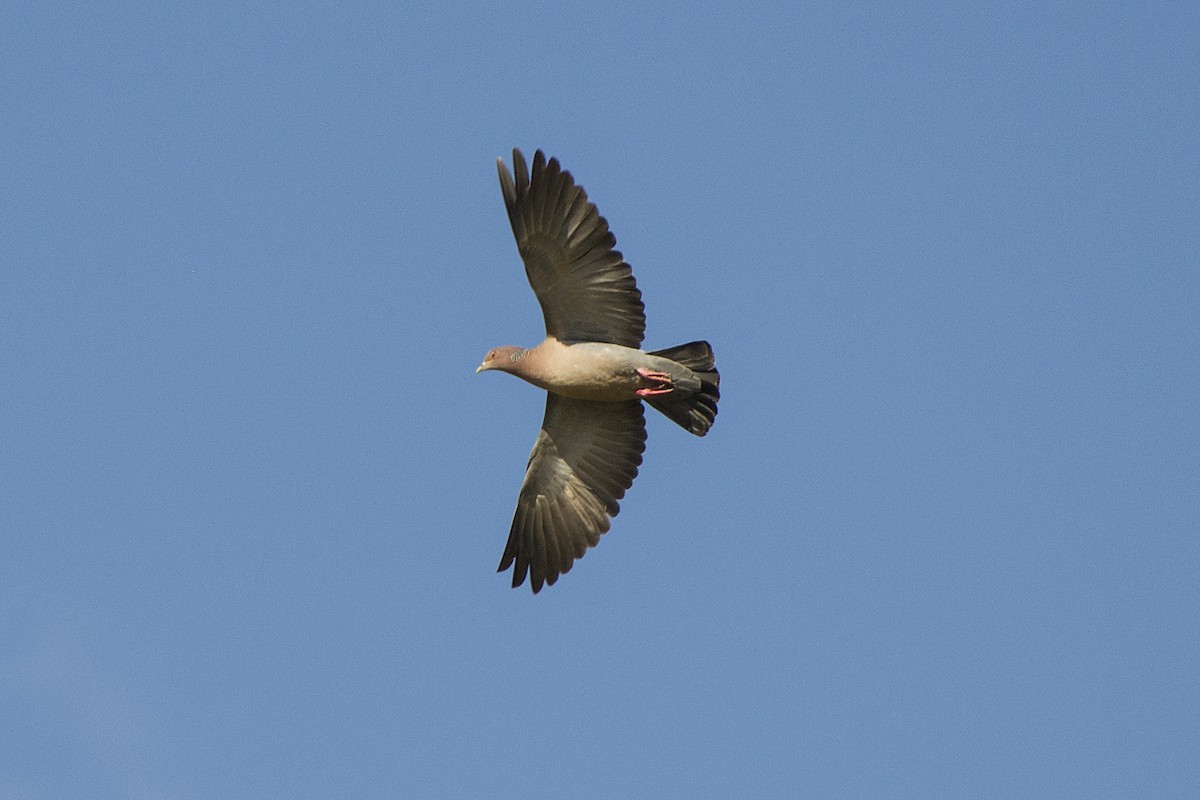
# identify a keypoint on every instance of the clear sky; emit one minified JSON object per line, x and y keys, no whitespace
{"x":941,"y":543}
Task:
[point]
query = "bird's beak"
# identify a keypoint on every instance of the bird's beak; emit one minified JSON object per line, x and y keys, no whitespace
{"x":481,"y":368}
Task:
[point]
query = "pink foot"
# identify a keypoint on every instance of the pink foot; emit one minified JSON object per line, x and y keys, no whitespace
{"x":660,"y":383}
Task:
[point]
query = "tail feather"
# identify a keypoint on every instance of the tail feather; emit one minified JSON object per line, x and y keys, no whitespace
{"x":694,"y":412}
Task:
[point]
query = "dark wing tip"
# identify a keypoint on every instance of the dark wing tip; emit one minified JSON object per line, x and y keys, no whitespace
{"x":506,"y":184}
{"x":520,"y":169}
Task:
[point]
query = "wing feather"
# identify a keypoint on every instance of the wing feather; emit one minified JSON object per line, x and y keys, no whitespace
{"x":585,"y":459}
{"x":586,"y":290}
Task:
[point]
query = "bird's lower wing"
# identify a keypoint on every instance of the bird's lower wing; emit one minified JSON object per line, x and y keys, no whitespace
{"x":585,"y":458}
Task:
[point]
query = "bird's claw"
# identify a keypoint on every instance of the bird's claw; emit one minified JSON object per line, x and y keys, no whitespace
{"x":660,"y":383}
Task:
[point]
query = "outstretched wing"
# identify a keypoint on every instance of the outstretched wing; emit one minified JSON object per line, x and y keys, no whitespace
{"x":586,"y":289}
{"x":585,"y":458}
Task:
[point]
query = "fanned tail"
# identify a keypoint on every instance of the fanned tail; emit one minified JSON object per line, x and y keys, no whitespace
{"x":694,"y":412}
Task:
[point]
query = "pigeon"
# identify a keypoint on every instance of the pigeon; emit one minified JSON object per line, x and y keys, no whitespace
{"x":593,"y":370}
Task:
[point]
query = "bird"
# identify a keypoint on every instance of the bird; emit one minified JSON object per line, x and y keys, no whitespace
{"x":593,"y":370}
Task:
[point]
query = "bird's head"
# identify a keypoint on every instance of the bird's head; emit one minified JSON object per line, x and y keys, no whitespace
{"x":502,"y":358}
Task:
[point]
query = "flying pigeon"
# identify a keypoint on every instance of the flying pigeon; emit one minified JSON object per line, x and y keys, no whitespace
{"x":592,"y":368}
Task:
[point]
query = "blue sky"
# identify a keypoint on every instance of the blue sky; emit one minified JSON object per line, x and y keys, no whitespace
{"x":942,"y":541}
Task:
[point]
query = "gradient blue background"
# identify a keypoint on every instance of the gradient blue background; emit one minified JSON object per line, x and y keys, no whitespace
{"x":942,"y":541}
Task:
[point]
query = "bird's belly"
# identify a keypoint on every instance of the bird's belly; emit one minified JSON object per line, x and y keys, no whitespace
{"x":610,"y":392}
{"x":588,"y":373}
{"x":610,"y":386}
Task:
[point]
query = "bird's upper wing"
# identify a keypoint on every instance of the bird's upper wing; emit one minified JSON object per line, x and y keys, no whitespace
{"x":586,"y":289}
{"x":585,"y":457}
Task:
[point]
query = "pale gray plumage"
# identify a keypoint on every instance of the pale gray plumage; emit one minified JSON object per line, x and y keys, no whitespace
{"x":593,"y":433}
